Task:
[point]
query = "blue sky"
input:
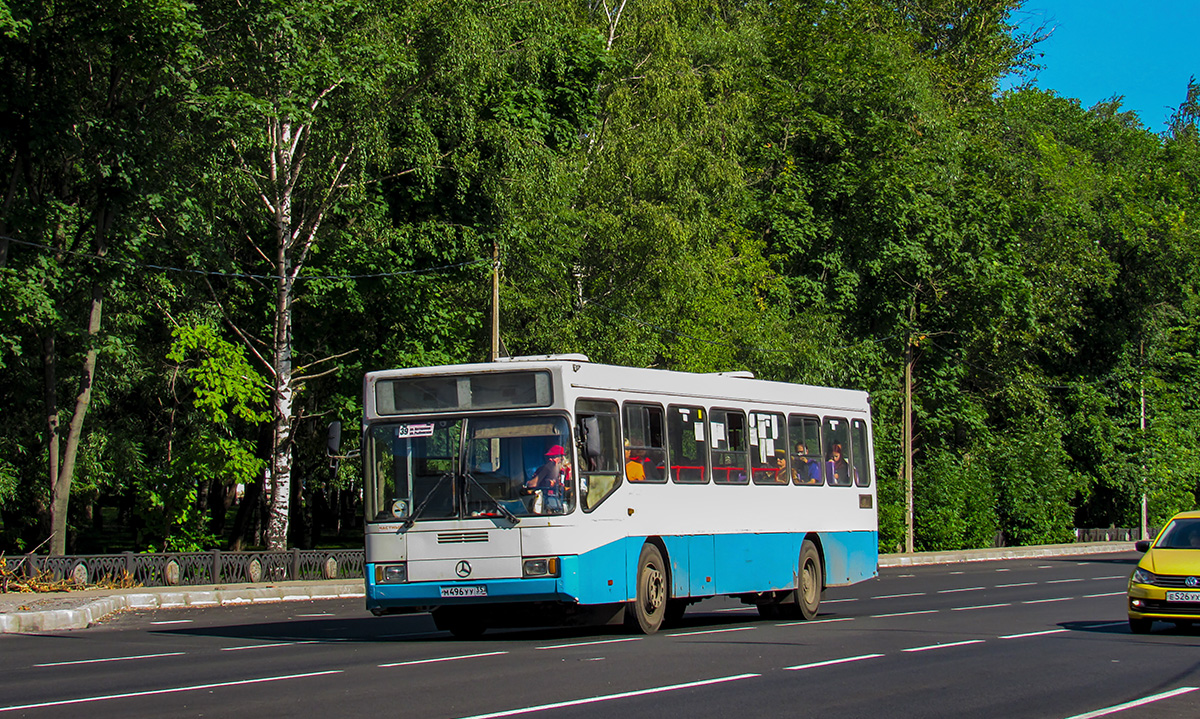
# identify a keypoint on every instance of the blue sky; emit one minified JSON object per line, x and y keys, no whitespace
{"x":1144,"y":50}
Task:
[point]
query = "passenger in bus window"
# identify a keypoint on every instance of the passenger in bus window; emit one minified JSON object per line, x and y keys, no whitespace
{"x":810,"y":473}
{"x":836,"y":468}
{"x":634,"y":470}
{"x":781,"y":472}
{"x":549,"y":481}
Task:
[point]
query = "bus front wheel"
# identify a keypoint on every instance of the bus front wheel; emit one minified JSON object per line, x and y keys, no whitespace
{"x":650,"y":605}
{"x":462,"y":622}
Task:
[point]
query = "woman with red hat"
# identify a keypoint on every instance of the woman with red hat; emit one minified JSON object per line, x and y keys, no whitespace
{"x":549,"y":479}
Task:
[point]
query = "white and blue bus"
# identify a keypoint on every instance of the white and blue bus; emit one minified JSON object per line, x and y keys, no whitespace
{"x":550,"y":490}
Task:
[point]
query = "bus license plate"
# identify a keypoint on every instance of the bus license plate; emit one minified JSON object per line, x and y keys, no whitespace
{"x":474,"y":590}
{"x":1183,"y":596}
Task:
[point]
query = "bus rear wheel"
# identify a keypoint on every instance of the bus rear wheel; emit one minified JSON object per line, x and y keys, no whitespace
{"x":650,"y":604}
{"x":808,"y":594}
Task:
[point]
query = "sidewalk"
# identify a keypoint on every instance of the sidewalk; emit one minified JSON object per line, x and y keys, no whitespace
{"x":983,"y":555}
{"x":53,"y":611}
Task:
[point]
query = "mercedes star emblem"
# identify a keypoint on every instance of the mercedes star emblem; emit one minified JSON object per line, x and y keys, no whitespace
{"x":463,"y":568}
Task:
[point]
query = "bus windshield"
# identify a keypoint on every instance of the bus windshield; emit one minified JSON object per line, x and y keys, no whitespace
{"x":471,"y":466}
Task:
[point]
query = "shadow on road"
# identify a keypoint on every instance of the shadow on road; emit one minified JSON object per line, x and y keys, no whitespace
{"x":420,"y":628}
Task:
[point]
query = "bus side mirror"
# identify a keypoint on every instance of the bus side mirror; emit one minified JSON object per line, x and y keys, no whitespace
{"x":335,"y":439}
{"x":1142,"y":545}
{"x":333,"y":448}
{"x":589,"y":428}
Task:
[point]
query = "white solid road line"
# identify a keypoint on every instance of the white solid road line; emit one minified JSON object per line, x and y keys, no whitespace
{"x":172,"y":690}
{"x":806,"y":622}
{"x":610,"y":697}
{"x":590,"y":644}
{"x":831,"y":662}
{"x":980,"y":606}
{"x":441,"y":659}
{"x":1034,"y":634}
{"x":943,"y":646}
{"x":1136,"y":703}
{"x":269,"y":646}
{"x":904,"y":614}
{"x":710,"y":631}
{"x":109,"y":659}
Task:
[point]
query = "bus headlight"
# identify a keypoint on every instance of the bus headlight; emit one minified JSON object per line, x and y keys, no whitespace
{"x":540,"y":567}
{"x":391,"y":573}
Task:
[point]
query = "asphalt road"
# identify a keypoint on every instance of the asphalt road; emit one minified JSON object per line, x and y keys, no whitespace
{"x":1018,"y":638}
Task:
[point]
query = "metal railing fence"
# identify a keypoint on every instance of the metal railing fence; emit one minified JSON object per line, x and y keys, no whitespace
{"x":190,"y":568}
{"x":1113,"y":534}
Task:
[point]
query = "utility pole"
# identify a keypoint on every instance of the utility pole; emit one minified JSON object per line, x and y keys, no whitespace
{"x":495,"y":353}
{"x":496,"y":300}
{"x":908,"y":446}
{"x":1142,"y":424}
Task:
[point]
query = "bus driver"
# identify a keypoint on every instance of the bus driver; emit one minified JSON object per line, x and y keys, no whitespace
{"x":549,"y":480}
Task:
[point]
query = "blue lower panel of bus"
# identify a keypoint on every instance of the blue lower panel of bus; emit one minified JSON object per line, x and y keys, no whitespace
{"x":428,"y":594}
{"x":700,"y":566}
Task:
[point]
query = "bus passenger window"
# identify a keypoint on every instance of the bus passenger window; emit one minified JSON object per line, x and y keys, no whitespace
{"x":688,"y":444}
{"x":729,"y":453}
{"x":805,"y":437}
{"x":860,"y":453}
{"x":645,"y":443}
{"x":837,"y":459}
{"x":598,"y":436}
{"x":768,"y":448}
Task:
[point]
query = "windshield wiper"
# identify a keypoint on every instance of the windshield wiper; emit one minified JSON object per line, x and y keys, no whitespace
{"x":412,"y":518}
{"x":503,"y":510}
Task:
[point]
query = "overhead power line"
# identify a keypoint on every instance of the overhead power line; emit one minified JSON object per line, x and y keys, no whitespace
{"x":241,"y":275}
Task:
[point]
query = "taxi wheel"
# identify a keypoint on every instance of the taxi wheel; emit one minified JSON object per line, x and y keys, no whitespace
{"x":1140,"y":626}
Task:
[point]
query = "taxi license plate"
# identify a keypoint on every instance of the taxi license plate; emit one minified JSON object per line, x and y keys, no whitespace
{"x":1183,"y":596}
{"x":480,"y":590}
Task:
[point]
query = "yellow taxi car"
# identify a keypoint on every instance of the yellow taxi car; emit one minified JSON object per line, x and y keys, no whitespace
{"x":1165,"y":586}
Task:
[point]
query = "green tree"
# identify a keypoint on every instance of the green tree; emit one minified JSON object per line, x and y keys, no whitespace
{"x":86,"y":91}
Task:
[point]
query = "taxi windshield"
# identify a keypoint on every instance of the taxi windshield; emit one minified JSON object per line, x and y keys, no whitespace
{"x":1180,"y":534}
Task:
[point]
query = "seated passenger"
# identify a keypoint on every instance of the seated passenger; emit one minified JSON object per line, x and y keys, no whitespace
{"x":634,"y":471}
{"x":781,"y":473}
{"x":810,"y":472}
{"x":836,"y":466}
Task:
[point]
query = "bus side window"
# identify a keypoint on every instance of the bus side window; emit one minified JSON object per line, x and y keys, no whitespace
{"x":598,"y":436}
{"x":837,"y":452}
{"x":687,"y":444}
{"x":645,"y":443}
{"x":808,"y":465}
{"x":768,"y":448}
{"x":729,"y":455}
{"x":860,"y":453}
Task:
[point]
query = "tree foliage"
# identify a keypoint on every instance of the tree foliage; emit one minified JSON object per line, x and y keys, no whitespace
{"x":217,"y":216}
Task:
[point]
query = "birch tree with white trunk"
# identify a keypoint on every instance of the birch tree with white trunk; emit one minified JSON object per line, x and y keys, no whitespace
{"x":293,"y":102}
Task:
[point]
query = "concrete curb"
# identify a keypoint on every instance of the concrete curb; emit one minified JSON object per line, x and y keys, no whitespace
{"x":94,"y":610}
{"x":987,"y":555}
